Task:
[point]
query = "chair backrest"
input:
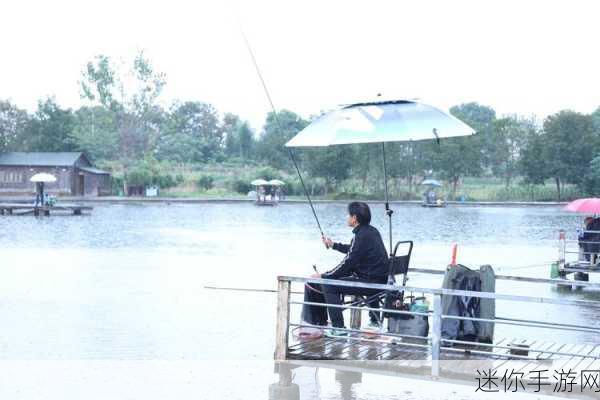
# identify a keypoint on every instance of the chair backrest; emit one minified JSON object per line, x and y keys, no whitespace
{"x":399,"y":263}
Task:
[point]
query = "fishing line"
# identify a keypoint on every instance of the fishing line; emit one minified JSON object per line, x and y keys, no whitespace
{"x":278,"y":122}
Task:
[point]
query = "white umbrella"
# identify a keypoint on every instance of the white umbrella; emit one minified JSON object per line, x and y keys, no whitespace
{"x":390,"y":121}
{"x":379,"y":122}
{"x":259,"y":182}
{"x":431,"y":182}
{"x":43,"y":177}
{"x":276,"y":182}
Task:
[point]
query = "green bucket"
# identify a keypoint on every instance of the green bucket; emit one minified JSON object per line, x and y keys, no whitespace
{"x":554,"y":272}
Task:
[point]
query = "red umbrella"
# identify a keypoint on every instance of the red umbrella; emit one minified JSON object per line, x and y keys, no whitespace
{"x":585,"y":206}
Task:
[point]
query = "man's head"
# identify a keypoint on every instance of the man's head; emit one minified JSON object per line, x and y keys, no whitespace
{"x":358,"y":214}
{"x":588,"y":220}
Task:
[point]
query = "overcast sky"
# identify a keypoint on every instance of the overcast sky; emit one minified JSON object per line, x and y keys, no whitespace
{"x":526,"y":57}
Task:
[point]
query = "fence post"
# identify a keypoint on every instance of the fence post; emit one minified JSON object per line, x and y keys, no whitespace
{"x":436,"y":334}
{"x":355,"y":315}
{"x":562,"y":248}
{"x":283,"y":319}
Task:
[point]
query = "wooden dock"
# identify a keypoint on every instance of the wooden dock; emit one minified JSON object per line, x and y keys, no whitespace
{"x":30,"y":209}
{"x":435,"y":357}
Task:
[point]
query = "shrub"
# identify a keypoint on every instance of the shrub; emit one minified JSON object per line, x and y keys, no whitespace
{"x":241,"y":186}
{"x":206,"y":182}
{"x":268,"y":173}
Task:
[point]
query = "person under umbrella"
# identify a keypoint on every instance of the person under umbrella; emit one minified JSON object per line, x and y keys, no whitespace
{"x":365,"y":261}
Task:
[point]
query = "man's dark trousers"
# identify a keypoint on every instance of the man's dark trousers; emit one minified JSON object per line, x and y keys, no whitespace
{"x":333,"y":294}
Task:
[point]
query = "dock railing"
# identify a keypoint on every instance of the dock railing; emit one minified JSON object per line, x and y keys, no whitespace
{"x":434,"y":342}
{"x":572,"y":256}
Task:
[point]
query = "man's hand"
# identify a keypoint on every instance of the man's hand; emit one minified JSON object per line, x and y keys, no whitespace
{"x":316,"y":276}
{"x":327,"y":242}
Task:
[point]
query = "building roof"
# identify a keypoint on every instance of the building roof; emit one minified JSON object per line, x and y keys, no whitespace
{"x":92,"y":170}
{"x":40,"y":159}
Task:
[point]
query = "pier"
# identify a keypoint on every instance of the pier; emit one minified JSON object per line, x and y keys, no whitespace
{"x":433,"y":356}
{"x":28,"y":209}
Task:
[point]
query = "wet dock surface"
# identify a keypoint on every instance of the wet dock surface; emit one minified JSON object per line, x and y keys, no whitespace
{"x":541,"y":354}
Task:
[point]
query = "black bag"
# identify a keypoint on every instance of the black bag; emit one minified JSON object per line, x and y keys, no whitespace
{"x":407,"y":324}
{"x":459,"y":277}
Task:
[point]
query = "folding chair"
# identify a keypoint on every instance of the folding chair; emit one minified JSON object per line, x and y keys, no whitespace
{"x":398,"y":265}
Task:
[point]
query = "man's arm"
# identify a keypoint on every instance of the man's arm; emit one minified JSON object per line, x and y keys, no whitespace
{"x":348,"y":264}
{"x":342,"y":248}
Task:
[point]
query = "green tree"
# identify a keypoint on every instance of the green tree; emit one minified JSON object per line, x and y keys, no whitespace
{"x":533,"y":162}
{"x":570,"y":144}
{"x":192,"y":133}
{"x":270,"y":146}
{"x":231,"y":124}
{"x":50,"y":129}
{"x":331,"y":163}
{"x":591,"y":181}
{"x":407,"y":161}
{"x":508,"y":136}
{"x":246,"y":142}
{"x":132,"y":96}
{"x":458,"y":157}
{"x":239,"y":138}
{"x":96,"y":133}
{"x":13,"y":123}
{"x":596,"y":121}
{"x":454,"y":158}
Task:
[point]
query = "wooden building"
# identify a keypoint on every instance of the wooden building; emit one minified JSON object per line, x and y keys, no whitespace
{"x":75,"y":174}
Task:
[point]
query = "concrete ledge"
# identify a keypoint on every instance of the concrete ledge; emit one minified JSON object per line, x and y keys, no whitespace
{"x":202,"y":200}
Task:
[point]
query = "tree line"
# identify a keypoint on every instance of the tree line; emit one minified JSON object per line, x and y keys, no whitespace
{"x":123,"y":126}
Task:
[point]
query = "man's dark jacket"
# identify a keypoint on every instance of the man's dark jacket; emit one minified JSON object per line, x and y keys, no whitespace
{"x":366,"y":257}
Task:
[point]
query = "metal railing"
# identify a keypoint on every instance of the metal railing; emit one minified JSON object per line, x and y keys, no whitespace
{"x":435,"y":342}
{"x":584,"y":260}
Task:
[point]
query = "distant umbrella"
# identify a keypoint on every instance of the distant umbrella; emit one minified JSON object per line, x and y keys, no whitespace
{"x":43,"y":177}
{"x":431,"y":182}
{"x":259,"y":182}
{"x":276,"y":182}
{"x":584,"y":206}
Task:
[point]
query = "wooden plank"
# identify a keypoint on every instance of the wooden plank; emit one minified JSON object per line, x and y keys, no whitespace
{"x":283,"y":319}
{"x":591,"y":363}
{"x":574,"y":362}
{"x":313,"y":349}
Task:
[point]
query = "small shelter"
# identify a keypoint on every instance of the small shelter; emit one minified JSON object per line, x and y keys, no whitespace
{"x":268,"y":193}
{"x":75,"y":175}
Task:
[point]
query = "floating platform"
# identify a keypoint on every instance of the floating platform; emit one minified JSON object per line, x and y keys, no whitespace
{"x":433,"y":205}
{"x":269,"y":203}
{"x":437,"y":358}
{"x":29,"y":209}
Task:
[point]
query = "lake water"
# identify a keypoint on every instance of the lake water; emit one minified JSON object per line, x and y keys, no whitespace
{"x":127,"y":282}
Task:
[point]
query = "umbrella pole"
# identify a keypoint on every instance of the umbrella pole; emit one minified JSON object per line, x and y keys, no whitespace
{"x":388,"y":210}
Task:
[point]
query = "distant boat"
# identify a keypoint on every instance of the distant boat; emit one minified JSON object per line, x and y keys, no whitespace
{"x":438,"y":204}
{"x":268,"y":193}
{"x":431,"y":199}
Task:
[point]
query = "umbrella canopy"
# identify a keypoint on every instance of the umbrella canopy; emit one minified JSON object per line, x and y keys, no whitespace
{"x":43,"y":177}
{"x":276,"y":182}
{"x":259,"y":182}
{"x":431,"y":182}
{"x":378,"y":122}
{"x":585,"y":206}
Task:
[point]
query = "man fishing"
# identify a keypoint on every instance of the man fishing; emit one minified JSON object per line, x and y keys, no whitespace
{"x":366,"y":261}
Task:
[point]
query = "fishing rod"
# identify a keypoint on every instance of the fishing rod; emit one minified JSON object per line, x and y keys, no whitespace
{"x":234,"y":289}
{"x":279,"y":126}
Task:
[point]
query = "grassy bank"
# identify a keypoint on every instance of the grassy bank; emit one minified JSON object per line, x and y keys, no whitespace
{"x":230,"y":180}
